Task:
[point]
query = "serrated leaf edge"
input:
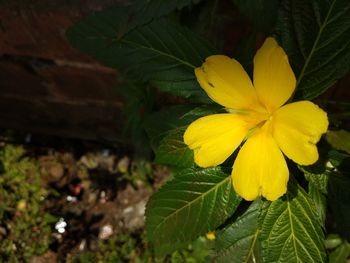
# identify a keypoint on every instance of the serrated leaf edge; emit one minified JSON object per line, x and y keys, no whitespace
{"x":292,"y":235}
{"x":155,"y":50}
{"x":215,"y":188}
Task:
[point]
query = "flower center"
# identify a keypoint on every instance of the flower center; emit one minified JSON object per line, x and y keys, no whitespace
{"x":255,"y":118}
{"x":261,"y":117}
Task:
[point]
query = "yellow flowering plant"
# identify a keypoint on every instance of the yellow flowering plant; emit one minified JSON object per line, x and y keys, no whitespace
{"x":257,"y":115}
{"x":250,"y":169}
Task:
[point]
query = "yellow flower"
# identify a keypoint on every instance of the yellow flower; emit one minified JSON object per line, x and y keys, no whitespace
{"x":258,"y":116}
{"x":210,"y":235}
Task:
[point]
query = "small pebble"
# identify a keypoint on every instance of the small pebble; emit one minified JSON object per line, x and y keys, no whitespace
{"x":105,"y":232}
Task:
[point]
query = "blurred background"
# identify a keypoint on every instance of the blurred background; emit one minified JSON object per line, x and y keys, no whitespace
{"x":72,"y":186}
{"x":47,"y":86}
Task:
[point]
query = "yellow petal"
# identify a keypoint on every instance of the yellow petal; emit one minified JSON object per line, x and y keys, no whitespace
{"x":274,"y":79}
{"x":215,"y":137}
{"x":297,"y":127}
{"x":226,"y":82}
{"x":260,"y":168}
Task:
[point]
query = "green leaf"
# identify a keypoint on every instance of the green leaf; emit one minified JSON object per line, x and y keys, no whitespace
{"x":166,"y":129}
{"x":181,"y":83}
{"x":340,"y":254}
{"x":339,"y":160}
{"x":317,"y":175}
{"x":324,"y":176}
{"x":257,"y":11}
{"x":138,"y":102}
{"x":160,"y":123}
{"x":204,"y":110}
{"x":162,"y":52}
{"x":332,"y":241}
{"x":290,"y":230}
{"x":195,"y":202}
{"x":239,"y":241}
{"x":315,"y":35}
{"x":340,"y":140}
{"x":173,"y":151}
{"x":119,"y":20}
{"x":339,"y":203}
{"x":320,"y":202}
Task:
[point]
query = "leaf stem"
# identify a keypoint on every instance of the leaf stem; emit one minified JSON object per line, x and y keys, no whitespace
{"x":251,"y":250}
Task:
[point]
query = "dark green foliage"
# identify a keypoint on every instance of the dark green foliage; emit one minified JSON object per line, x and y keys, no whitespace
{"x":262,"y":13}
{"x":119,"y":20}
{"x":239,"y":241}
{"x":339,"y":140}
{"x":159,"y":123}
{"x":245,"y":52}
{"x":151,"y":9}
{"x":318,"y":176}
{"x":160,"y":51}
{"x":320,"y":201}
{"x":316,"y":36}
{"x":339,"y":200}
{"x":166,"y":128}
{"x":138,"y":103}
{"x":173,"y":151}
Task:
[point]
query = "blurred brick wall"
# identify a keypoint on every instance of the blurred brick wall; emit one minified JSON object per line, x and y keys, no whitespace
{"x":45,"y":85}
{"x":48,"y":87}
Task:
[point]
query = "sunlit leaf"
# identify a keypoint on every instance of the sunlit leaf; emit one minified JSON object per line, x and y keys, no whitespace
{"x":195,"y":202}
{"x":291,"y":230}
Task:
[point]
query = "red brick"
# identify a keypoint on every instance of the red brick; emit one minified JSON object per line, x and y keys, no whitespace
{"x":37,"y":28}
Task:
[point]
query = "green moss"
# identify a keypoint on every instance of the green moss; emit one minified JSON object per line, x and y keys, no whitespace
{"x":25,"y":225}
